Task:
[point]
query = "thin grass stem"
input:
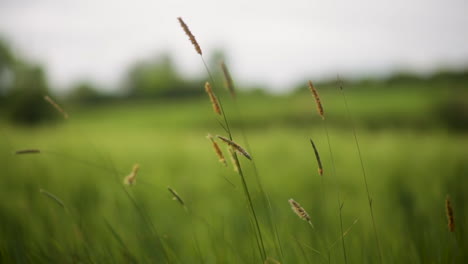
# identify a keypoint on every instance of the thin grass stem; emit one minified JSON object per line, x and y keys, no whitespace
{"x":244,"y":183}
{"x":266,"y":199}
{"x":364,"y":175}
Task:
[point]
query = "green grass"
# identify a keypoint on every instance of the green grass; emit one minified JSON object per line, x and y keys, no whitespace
{"x":410,"y":171}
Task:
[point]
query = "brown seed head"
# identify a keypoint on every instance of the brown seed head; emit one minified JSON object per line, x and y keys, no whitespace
{"x":131,"y":178}
{"x":190,"y":35}
{"x":317,"y":99}
{"x":234,"y":161}
{"x":56,"y":106}
{"x":301,"y":212}
{"x":450,"y":217}
{"x":27,"y":151}
{"x":213,"y":98}
{"x":317,"y":157}
{"x":217,"y":150}
{"x":228,"y":80}
{"x":236,"y":147}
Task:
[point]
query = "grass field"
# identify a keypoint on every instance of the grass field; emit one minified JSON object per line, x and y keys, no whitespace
{"x":87,"y":215}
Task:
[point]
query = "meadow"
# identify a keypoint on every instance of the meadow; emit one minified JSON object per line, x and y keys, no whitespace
{"x":68,"y":203}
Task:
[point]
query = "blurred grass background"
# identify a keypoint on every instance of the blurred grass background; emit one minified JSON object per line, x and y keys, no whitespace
{"x":411,"y":166}
{"x":413,"y":135}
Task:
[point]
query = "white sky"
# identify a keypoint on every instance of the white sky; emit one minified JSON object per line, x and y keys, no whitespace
{"x":276,"y":43}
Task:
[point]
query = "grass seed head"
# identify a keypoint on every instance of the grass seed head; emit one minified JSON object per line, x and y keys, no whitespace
{"x":450,"y":216}
{"x":300,"y":211}
{"x":235,"y":146}
{"x":176,"y":196}
{"x":317,"y":157}
{"x":213,"y":98}
{"x":190,"y":35}
{"x":56,"y":106}
{"x":234,"y":161}
{"x":217,"y":150}
{"x":317,"y":99}
{"x":27,"y":151}
{"x":131,"y":178}
{"x":228,"y":80}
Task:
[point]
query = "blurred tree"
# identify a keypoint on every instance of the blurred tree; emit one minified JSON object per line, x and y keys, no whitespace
{"x":451,"y":79}
{"x":158,"y":78}
{"x":404,"y":78}
{"x":6,"y":68}
{"x":26,"y":103}
{"x":22,"y":88}
{"x":453,"y":112}
{"x":85,"y":93}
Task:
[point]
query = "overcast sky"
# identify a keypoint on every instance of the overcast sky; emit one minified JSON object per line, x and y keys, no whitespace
{"x":276,"y":43}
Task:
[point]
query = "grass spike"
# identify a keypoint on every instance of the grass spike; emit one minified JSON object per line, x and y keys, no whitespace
{"x":235,"y":146}
{"x":56,"y":106}
{"x":190,"y":35}
{"x":450,"y":216}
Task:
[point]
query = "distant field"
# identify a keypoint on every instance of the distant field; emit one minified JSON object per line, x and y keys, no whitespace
{"x":413,"y":161}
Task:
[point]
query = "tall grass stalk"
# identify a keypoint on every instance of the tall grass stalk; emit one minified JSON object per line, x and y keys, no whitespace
{"x":449,"y":211}
{"x":266,"y":199}
{"x":227,"y":128}
{"x":340,"y":204}
{"x":319,"y":168}
{"x":364,"y":175}
{"x":321,"y":112}
{"x":229,"y":132}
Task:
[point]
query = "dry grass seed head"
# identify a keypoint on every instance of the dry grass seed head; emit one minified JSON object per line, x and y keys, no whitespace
{"x":450,"y":216}
{"x":235,"y":146}
{"x":131,"y":178}
{"x":317,"y":157}
{"x":300,"y":211}
{"x":190,"y":35}
{"x":27,"y":151}
{"x":213,"y":98}
{"x":56,"y":106}
{"x":217,"y":150}
{"x":317,"y":99}
{"x":234,"y":161}
{"x":228,"y":80}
